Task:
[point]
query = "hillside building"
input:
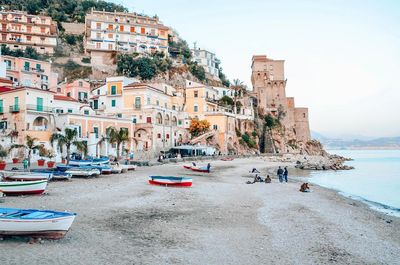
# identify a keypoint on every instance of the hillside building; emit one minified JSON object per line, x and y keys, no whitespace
{"x":110,"y":32}
{"x":20,"y":30}
{"x":207,"y":60}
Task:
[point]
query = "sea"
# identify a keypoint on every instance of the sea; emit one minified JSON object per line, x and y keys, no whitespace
{"x":374,"y":181}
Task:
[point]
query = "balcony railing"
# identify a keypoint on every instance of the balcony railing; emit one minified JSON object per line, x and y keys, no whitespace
{"x":39,"y":108}
{"x":14,"y":108}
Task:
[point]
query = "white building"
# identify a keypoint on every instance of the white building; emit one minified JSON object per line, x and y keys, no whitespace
{"x":207,"y":60}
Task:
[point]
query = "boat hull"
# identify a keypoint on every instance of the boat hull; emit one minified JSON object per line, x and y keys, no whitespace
{"x":30,"y":176}
{"x":199,"y":170}
{"x":54,"y":228}
{"x":23,"y":187}
{"x":187,"y":167}
{"x":170,"y":181}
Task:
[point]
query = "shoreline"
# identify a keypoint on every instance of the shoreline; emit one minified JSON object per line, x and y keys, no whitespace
{"x":124,"y":220}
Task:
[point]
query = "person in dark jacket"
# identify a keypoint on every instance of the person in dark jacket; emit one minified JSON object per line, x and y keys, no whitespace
{"x":285,"y":174}
{"x":280,"y":174}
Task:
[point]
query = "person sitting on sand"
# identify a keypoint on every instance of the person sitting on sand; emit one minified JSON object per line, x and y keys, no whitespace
{"x":255,"y":171}
{"x":267,"y":179}
{"x":194,"y":164}
{"x":304,"y":187}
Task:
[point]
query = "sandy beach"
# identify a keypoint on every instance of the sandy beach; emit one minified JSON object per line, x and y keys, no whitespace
{"x":220,"y":220}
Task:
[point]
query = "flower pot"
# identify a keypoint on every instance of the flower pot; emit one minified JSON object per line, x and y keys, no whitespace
{"x":50,"y":164}
{"x":2,"y":165}
{"x":15,"y":160}
{"x":63,"y":160}
{"x":40,"y":162}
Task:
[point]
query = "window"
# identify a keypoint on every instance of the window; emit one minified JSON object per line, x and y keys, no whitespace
{"x":98,"y":92}
{"x":215,"y":127}
{"x":134,"y":120}
{"x":110,"y":27}
{"x":167,"y":136}
{"x":98,"y":35}
{"x":179,"y":122}
{"x":224,"y":93}
{"x":173,"y":107}
{"x":69,"y":94}
{"x":86,"y":112}
{"x":119,"y":115}
{"x":148,"y":101}
{"x":159,"y":135}
{"x":39,"y":104}
{"x":96,"y":131}
{"x":110,"y":46}
{"x":143,"y":31}
{"x":121,"y":28}
{"x":3,"y":125}
{"x":95,"y":104}
{"x":98,"y":25}
{"x":98,"y":45}
{"x":28,"y":38}
{"x":137,"y":103}
{"x":69,"y":110}
{"x":132,"y":29}
{"x":148,"y":119}
{"x":42,"y":30}
{"x":196,"y":93}
{"x":26,"y":66}
{"x":1,"y":106}
{"x":110,"y":35}
{"x":158,"y":103}
{"x":113,"y":103}
{"x":80,"y":83}
{"x":113,"y":90}
{"x":196,"y":108}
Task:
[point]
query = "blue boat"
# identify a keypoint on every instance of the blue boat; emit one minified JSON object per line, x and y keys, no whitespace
{"x":88,"y":162}
{"x":35,"y":223}
{"x":57,"y":174}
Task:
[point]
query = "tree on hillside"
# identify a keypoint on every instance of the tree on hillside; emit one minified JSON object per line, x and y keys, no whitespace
{"x":198,"y":71}
{"x":145,"y":67}
{"x":198,"y":127}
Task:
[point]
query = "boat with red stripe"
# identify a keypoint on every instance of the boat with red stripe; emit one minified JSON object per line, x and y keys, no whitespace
{"x":170,"y":181}
{"x":23,"y":187}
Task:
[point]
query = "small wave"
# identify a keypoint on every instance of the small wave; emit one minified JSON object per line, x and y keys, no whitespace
{"x":380,"y":207}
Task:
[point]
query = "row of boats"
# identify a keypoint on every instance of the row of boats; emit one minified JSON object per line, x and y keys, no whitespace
{"x":16,"y":182}
{"x":45,"y":223}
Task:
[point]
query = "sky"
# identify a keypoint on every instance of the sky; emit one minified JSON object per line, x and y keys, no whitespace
{"x":342,"y":58}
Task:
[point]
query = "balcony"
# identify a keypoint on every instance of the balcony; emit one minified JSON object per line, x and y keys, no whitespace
{"x":39,"y":108}
{"x":36,"y":70}
{"x":14,"y":108}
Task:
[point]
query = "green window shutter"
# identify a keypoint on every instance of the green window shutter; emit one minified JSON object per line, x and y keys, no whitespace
{"x":95,"y":104}
{"x":113,"y":103}
{"x":39,"y":104}
{"x":96,"y":131}
{"x":69,"y":110}
{"x":16,"y":104}
{"x":1,"y":106}
{"x":113,"y":90}
{"x":38,"y":67}
{"x":86,"y":112}
{"x":27,"y":65}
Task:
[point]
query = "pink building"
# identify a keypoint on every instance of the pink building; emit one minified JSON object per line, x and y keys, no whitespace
{"x":30,"y":73}
{"x":78,"y":89}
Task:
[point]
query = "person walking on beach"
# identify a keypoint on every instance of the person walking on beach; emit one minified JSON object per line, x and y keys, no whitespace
{"x":280,"y":174}
{"x":25,"y":164}
{"x":285,"y":174}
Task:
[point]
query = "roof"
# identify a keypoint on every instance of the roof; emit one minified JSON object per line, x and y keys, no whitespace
{"x":64,"y":98}
{"x":6,"y":80}
{"x":5,"y":89}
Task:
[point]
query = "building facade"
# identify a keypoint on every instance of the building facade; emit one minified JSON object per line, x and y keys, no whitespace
{"x":20,"y":30}
{"x":108,"y":32}
{"x":207,"y":60}
{"x":30,"y":73}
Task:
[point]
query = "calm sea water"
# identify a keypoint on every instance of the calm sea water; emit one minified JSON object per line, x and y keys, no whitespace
{"x":375,"y":179}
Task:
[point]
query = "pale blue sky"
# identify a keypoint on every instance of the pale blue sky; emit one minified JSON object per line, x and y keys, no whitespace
{"x":342,"y":57}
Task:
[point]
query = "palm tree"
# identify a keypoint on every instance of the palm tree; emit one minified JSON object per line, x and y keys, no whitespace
{"x":117,"y":137}
{"x":68,"y":139}
{"x":29,"y":145}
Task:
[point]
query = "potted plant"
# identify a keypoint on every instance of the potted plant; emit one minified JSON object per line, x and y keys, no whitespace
{"x":42,"y":153}
{"x":50,"y":155}
{"x":15,"y":160}
{"x":3,"y":155}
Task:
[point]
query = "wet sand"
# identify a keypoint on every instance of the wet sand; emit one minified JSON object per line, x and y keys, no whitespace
{"x":220,"y":220}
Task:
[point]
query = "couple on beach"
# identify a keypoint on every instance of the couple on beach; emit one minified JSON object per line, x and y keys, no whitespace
{"x":283,"y":174}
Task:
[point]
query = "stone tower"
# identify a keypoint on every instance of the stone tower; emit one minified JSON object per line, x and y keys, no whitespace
{"x":269,"y":87}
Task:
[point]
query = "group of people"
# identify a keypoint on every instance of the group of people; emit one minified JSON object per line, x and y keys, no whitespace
{"x":258,"y":178}
{"x":283,"y":174}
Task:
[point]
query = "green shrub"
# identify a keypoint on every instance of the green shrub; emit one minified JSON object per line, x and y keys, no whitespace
{"x":85,"y":60}
{"x":198,"y":71}
{"x":70,"y":39}
{"x":246,"y":137}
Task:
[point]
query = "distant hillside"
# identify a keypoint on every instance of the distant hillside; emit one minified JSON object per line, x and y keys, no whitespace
{"x":61,"y":10}
{"x":378,"y":143}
